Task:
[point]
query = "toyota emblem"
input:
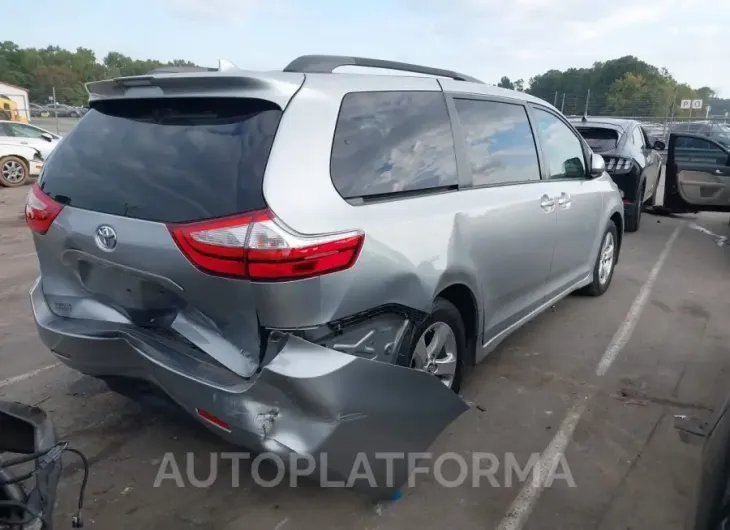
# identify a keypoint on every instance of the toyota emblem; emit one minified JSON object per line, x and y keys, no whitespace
{"x":106,"y":238}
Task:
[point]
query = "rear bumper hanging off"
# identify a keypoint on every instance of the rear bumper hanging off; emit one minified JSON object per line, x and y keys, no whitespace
{"x":309,"y":400}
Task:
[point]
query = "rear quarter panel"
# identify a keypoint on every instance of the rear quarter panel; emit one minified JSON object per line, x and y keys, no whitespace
{"x":413,"y":247}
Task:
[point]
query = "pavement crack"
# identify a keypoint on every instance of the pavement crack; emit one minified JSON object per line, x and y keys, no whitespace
{"x":625,"y":476}
{"x":641,"y":398}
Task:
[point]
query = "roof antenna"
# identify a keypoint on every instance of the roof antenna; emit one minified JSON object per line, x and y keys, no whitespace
{"x":224,"y":66}
{"x":584,"y":118}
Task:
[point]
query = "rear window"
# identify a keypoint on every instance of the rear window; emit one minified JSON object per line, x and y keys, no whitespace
{"x":165,"y":160}
{"x":600,"y":139}
{"x":392,"y":142}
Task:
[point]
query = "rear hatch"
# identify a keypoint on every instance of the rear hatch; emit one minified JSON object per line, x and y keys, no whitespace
{"x":131,"y":177}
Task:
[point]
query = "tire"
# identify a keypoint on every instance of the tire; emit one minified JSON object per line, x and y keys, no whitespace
{"x":633,"y":216}
{"x":443,"y":315}
{"x":651,"y":201}
{"x":602,"y":282}
{"x":14,"y":172}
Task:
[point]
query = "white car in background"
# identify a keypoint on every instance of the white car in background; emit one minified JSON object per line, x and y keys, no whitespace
{"x":12,"y":132}
{"x":18,"y":164}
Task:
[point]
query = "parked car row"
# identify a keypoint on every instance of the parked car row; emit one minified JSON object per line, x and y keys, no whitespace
{"x":56,"y":109}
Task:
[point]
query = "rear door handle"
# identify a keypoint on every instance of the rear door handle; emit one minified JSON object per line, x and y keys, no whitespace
{"x":547,"y":203}
{"x":564,"y":200}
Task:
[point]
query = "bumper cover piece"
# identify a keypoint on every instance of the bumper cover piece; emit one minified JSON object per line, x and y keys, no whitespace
{"x":309,"y":400}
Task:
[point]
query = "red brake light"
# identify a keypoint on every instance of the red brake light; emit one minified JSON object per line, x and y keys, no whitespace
{"x":40,"y":210}
{"x":259,"y":247}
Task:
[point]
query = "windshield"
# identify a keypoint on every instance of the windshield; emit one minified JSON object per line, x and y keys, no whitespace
{"x":600,"y":139}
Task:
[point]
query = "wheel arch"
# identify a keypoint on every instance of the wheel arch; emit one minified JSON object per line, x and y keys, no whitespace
{"x":464,"y":299}
{"x":618,"y":220}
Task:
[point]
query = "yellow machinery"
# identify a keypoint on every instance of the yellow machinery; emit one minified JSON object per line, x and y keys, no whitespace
{"x":9,"y":110}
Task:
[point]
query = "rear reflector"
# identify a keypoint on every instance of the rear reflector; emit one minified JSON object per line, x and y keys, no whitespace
{"x":215,"y":420}
{"x":257,"y":246}
{"x":40,"y":210}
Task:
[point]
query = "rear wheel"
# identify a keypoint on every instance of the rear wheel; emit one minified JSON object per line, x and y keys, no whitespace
{"x":439,"y":345}
{"x":651,"y":201}
{"x":633,"y":213}
{"x":13,"y":171}
{"x":605,"y":262}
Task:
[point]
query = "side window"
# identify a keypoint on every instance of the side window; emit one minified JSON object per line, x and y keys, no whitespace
{"x":638,"y":138}
{"x":562,"y":149}
{"x":4,"y":130}
{"x":499,"y":142}
{"x":648,"y":140}
{"x":25,"y":131}
{"x":391,"y":142}
{"x":698,"y":150}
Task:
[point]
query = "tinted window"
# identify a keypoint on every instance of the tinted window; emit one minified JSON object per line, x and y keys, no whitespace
{"x":561,"y":147}
{"x":638,"y":137}
{"x":698,"y":150}
{"x":165,"y":160}
{"x":25,"y":131}
{"x":4,"y":130}
{"x":600,"y":139}
{"x":499,"y":142}
{"x":388,"y":142}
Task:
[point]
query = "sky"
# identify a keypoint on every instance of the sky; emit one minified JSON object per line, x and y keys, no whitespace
{"x":484,"y":38}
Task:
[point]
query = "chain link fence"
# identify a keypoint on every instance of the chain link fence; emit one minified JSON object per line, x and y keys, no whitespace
{"x":55,"y":120}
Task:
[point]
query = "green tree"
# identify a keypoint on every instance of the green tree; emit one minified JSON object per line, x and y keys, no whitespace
{"x":40,"y":70}
{"x":506,"y":83}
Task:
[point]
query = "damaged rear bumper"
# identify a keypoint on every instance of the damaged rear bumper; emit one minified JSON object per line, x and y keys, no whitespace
{"x":308,"y":400}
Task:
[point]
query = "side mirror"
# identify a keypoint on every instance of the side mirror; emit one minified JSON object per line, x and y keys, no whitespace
{"x":659,"y":145}
{"x":47,"y":137}
{"x":598,"y":165}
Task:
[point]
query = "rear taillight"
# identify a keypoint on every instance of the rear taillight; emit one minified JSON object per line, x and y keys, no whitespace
{"x":259,"y":247}
{"x":40,"y":210}
{"x":618,"y":165}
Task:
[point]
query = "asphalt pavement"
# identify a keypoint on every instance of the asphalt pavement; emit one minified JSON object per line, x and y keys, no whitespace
{"x":591,"y":387}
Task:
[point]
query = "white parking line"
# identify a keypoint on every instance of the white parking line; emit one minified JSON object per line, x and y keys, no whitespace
{"x":19,"y":256}
{"x":623,"y":334}
{"x":522,"y":506}
{"x":27,"y":375}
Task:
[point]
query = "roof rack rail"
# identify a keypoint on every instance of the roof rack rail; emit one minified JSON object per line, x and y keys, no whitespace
{"x":326,"y":64}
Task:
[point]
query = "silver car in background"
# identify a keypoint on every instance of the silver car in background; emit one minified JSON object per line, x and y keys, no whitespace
{"x":305,"y":261}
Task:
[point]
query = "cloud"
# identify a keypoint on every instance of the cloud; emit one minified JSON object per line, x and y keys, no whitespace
{"x":222,"y":11}
{"x":490,"y":38}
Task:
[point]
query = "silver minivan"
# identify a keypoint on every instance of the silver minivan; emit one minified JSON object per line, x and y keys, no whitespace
{"x":305,"y":261}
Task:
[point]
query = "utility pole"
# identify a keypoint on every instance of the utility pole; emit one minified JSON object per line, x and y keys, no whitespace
{"x":55,"y":110}
{"x":588,"y":100}
{"x":562,"y":105}
{"x":555,"y":99}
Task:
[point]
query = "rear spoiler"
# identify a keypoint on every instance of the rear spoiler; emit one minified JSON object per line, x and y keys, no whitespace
{"x":186,"y":81}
